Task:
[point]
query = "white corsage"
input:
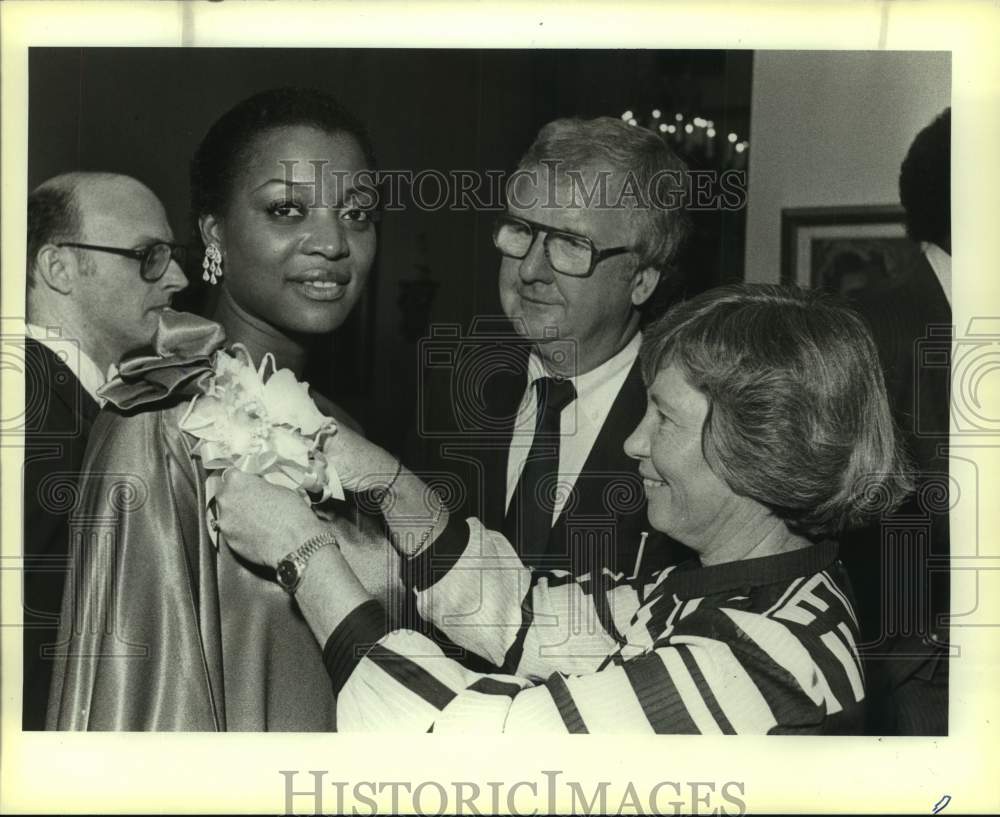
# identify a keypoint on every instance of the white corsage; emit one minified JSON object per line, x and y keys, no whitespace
{"x":262,"y":425}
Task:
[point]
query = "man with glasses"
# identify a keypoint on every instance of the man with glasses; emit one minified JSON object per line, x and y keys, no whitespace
{"x":101,"y":266}
{"x":590,"y":232}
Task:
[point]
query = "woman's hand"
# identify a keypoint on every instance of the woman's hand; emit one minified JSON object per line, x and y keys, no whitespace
{"x":360,"y":464}
{"x":263,"y":522}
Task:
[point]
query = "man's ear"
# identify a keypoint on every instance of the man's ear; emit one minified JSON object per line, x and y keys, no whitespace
{"x":211,"y":231}
{"x":57,"y":267}
{"x":644,"y":284}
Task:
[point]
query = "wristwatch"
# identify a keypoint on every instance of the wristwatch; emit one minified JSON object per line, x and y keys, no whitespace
{"x":292,"y":568}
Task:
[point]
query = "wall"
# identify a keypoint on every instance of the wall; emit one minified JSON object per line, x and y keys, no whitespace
{"x":831,"y":128}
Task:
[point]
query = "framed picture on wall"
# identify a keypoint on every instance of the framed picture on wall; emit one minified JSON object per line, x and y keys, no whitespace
{"x":845,"y":249}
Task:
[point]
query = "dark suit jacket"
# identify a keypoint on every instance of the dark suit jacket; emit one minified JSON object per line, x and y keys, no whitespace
{"x":899,"y":567}
{"x":602,"y":521}
{"x":58,"y":417}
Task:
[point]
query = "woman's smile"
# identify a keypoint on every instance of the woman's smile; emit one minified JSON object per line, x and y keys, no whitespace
{"x":651,"y":482}
{"x":322,"y":290}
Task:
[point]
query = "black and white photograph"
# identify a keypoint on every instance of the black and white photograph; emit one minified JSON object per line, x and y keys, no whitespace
{"x":391,"y":393}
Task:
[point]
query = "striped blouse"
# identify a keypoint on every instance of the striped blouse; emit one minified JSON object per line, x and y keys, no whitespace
{"x":764,"y":645}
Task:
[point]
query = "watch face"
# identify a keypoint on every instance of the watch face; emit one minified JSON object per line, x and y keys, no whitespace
{"x":288,"y":573}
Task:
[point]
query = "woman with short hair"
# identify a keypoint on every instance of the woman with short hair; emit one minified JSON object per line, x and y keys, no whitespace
{"x":165,"y":631}
{"x":767,"y":434}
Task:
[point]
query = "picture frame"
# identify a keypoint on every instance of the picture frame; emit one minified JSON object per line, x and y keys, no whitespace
{"x":845,"y":249}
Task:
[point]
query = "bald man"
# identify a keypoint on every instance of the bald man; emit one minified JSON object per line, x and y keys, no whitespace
{"x":101,"y":266}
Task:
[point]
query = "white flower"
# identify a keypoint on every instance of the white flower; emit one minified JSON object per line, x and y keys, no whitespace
{"x":287,"y":401}
{"x":289,"y":445}
{"x":205,"y":417}
{"x":262,"y":425}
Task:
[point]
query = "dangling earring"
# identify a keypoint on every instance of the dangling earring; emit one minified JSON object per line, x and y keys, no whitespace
{"x":212,"y":264}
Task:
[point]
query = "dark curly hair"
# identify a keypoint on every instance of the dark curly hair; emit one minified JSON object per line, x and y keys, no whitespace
{"x":229,"y":143}
{"x":925,"y":184}
{"x":798,"y":415}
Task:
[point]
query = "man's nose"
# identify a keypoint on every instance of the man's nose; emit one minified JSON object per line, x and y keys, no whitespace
{"x":174,"y":278}
{"x":535,"y":267}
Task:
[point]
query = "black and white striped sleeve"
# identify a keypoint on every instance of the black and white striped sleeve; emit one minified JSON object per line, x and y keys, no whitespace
{"x":718,"y":670}
{"x":404,"y":683}
{"x":475,"y":589}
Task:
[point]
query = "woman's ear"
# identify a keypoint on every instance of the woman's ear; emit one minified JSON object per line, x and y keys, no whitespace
{"x":211,"y":232}
{"x":644,"y":284}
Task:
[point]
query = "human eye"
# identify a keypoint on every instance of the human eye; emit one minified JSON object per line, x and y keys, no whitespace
{"x":577,"y":242}
{"x":285,"y":208}
{"x":663,"y":420}
{"x":568,"y":253}
{"x":359,"y":217}
{"x":571,"y":245}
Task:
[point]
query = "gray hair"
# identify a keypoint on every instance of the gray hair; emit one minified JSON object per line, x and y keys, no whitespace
{"x":661,"y":223}
{"x":798,"y":414}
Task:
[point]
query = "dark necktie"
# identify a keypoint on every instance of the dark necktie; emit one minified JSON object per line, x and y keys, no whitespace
{"x":529,"y":515}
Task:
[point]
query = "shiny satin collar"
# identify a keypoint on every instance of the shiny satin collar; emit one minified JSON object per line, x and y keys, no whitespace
{"x":183,"y":349}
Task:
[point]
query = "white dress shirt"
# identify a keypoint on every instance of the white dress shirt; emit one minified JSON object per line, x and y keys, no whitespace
{"x":579,"y":423}
{"x":69,"y":352}
{"x":940,"y":262}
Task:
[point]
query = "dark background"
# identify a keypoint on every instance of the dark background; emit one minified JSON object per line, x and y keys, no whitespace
{"x":142,"y":111}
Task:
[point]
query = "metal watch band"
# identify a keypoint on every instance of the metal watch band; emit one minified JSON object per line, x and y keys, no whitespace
{"x":312,"y":545}
{"x":299,"y":558}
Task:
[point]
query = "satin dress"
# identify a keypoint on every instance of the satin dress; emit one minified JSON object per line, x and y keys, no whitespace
{"x":160,"y":629}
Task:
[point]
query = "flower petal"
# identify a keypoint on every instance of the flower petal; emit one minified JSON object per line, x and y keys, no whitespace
{"x":281,"y":479}
{"x":287,"y":401}
{"x":289,"y":445}
{"x":333,"y":484}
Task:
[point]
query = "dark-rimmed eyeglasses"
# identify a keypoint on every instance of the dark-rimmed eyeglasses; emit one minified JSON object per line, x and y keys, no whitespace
{"x":153,"y":260}
{"x":567,"y":253}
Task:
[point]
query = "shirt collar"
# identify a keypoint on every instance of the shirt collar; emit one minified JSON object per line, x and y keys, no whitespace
{"x":74,"y":358}
{"x":940,"y":262}
{"x":587,"y":382}
{"x":691,"y":580}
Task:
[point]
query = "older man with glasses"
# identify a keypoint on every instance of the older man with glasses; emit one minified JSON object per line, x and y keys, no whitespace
{"x":101,"y":266}
{"x":590,"y":233}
